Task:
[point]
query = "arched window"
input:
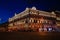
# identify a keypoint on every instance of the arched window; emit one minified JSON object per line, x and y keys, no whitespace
{"x":38,"y":21}
{"x":26,"y":21}
{"x":31,"y":20}
{"x":35,"y":21}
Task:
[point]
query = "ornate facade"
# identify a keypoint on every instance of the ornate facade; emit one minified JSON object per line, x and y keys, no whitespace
{"x":33,"y":19}
{"x":58,"y":19}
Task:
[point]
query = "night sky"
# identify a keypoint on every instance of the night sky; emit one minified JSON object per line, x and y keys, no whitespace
{"x":9,"y":7}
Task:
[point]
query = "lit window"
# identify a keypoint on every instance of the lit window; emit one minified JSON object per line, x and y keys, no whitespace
{"x":40,"y":29}
{"x":46,"y":21}
{"x":11,"y":24}
{"x":50,"y":29}
{"x":45,"y":29}
{"x":35,"y":21}
{"x":41,"y":20}
{"x":31,"y":20}
{"x":38,"y":21}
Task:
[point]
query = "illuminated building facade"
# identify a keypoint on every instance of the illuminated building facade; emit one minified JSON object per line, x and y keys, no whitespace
{"x":58,"y":19}
{"x":33,"y":19}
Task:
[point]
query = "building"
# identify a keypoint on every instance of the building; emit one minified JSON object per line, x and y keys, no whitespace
{"x":3,"y":27}
{"x":33,"y":19}
{"x":58,"y":19}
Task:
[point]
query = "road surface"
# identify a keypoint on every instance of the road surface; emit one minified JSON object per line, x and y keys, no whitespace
{"x":29,"y":36}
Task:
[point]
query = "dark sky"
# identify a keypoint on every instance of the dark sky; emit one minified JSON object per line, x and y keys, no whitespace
{"x":9,"y":7}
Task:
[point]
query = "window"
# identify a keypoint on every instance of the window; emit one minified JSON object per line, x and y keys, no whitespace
{"x":38,"y":21}
{"x":31,"y":20}
{"x":41,"y":20}
{"x":26,"y":21}
{"x":50,"y":29}
{"x":30,"y":12}
{"x":45,"y":29}
{"x":35,"y":21}
{"x":46,"y":21}
{"x":11,"y":24}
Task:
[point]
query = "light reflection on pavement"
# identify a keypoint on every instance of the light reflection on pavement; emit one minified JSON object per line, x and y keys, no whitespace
{"x":29,"y":36}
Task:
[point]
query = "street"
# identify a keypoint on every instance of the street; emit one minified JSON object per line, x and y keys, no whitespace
{"x":29,"y":35}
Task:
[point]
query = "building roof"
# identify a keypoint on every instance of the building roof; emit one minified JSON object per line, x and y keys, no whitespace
{"x":28,"y":10}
